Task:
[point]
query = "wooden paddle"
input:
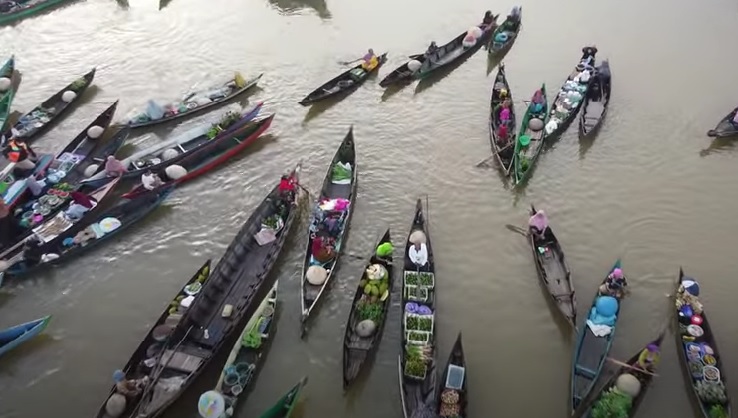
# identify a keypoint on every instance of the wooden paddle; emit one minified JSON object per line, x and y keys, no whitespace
{"x":626,"y":365}
{"x":515,"y":228}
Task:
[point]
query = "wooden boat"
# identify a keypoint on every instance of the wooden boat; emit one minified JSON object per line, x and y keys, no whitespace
{"x":596,"y":101}
{"x":725,"y":128}
{"x":12,"y":337}
{"x":454,"y":51}
{"x":189,"y":105}
{"x":645,"y":377}
{"x":504,"y":36}
{"x":248,"y":354}
{"x":705,"y":344}
{"x":152,"y":158}
{"x":357,"y":348}
{"x":401,"y":73}
{"x":6,"y":97}
{"x":236,"y":286}
{"x":554,"y":273}
{"x":528,"y":150}
{"x":345,"y":83}
{"x":416,"y":364}
{"x":344,"y":190}
{"x":286,"y":404}
{"x":590,"y":354}
{"x":452,"y":399}
{"x":66,"y":239}
{"x":504,"y":148}
{"x":33,"y":123}
{"x":21,"y":9}
{"x":562,"y":110}
{"x":208,"y":157}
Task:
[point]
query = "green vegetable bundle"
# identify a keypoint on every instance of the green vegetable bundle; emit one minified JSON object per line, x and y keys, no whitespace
{"x":711,"y":392}
{"x":612,"y":404}
{"x":368,"y":310}
{"x":718,"y":411}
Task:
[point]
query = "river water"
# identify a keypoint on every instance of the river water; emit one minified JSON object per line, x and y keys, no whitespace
{"x":651,"y":189}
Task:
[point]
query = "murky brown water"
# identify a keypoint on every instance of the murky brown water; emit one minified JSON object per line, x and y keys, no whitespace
{"x":650,"y":189}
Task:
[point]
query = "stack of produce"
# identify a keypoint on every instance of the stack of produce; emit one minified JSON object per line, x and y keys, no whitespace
{"x":617,"y":402}
{"x":450,"y":403}
{"x":369,"y":308}
{"x":416,"y":360}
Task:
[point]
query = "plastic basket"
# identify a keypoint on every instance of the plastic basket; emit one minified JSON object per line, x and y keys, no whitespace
{"x":411,"y":315}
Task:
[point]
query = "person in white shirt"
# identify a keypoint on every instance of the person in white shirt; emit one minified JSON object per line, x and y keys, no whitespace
{"x":418,"y":254}
{"x":150,"y":181}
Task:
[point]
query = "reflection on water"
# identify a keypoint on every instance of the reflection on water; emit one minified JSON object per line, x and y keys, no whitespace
{"x":295,"y":6}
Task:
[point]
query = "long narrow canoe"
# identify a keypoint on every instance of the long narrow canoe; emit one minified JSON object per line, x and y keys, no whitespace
{"x":505,"y":35}
{"x":208,"y":157}
{"x":367,"y":306}
{"x":286,"y":404}
{"x":725,"y":128}
{"x":197,"y":102}
{"x":6,"y":95}
{"x":692,"y":351}
{"x":402,"y":73}
{"x":345,"y":83}
{"x":12,"y":337}
{"x":33,"y":123}
{"x":590,"y":352}
{"x":416,"y":364}
{"x":233,"y":293}
{"x":17,"y":10}
{"x":503,"y":147}
{"x":596,"y":102}
{"x":529,"y":144}
{"x":554,"y":272}
{"x":453,"y":396}
{"x":329,"y":221}
{"x":564,"y":108}
{"x":633,"y":368}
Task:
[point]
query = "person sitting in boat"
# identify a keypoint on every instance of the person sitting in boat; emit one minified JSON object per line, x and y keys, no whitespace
{"x":20,"y":153}
{"x":505,"y":113}
{"x":588,"y":55}
{"x":114,"y":168}
{"x":513,"y":19}
{"x":488,"y":18}
{"x":370,"y":61}
{"x":323,"y":248}
{"x":538,"y":225}
{"x":649,"y":358}
{"x":81,"y":204}
{"x":32,"y":251}
{"x":287,"y":187}
{"x":130,"y":388}
{"x":418,"y":254}
{"x":502,"y":139}
{"x":614,"y":284}
{"x":150,"y":181}
{"x":432,"y":48}
{"x":537,"y":102}
{"x":9,"y":228}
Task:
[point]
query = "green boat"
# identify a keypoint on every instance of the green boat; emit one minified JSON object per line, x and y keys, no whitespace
{"x":19,"y":9}
{"x":6,"y":96}
{"x":286,"y":404}
{"x":530,"y":137}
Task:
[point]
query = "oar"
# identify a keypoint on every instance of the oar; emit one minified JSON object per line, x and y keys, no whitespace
{"x":515,"y":228}
{"x":486,"y":161}
{"x":626,"y":365}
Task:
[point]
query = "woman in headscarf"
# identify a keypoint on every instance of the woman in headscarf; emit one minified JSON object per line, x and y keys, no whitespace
{"x":323,"y":248}
{"x":114,"y":168}
{"x":81,"y":204}
{"x":537,"y":102}
{"x":9,"y":229}
{"x":649,"y":358}
{"x":614,"y":284}
{"x":538,"y":224}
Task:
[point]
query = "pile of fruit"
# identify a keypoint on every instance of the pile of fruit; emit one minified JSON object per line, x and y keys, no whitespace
{"x":450,"y":403}
{"x":375,"y":283}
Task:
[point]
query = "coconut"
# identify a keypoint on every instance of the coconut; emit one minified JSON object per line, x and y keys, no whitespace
{"x":116,"y":405}
{"x":535,"y":124}
{"x":414,"y":65}
{"x":418,"y":237}
{"x":68,"y":96}
{"x":366,"y":328}
{"x":5,"y":83}
{"x":628,"y":385}
{"x":169,"y":154}
{"x":316,"y":275}
{"x":175,"y":171}
{"x":95,"y":131}
{"x":91,"y":170}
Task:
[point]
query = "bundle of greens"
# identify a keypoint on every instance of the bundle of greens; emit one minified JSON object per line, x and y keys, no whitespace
{"x":711,"y":392}
{"x":612,"y":404}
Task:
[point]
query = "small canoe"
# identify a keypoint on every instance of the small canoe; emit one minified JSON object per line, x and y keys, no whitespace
{"x":696,"y":341}
{"x":195,"y":102}
{"x":416,"y":364}
{"x":345,"y":83}
{"x":591,"y":351}
{"x":8,"y":94}
{"x":357,"y":348}
{"x":554,"y":273}
{"x":645,"y":378}
{"x":725,"y":128}
{"x":596,"y":102}
{"x":286,"y":404}
{"x":454,"y":51}
{"x":208,"y":157}
{"x":248,"y":355}
{"x":33,"y":123}
{"x":329,"y":222}
{"x":504,"y":36}
{"x":529,"y":143}
{"x":12,"y":337}
{"x":564,"y":109}
{"x":453,"y":394}
{"x":153,"y":158}
{"x":504,"y":148}
{"x":17,"y":10}
{"x":401,"y":73}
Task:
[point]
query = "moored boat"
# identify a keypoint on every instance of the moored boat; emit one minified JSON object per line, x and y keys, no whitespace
{"x":286,"y":404}
{"x":369,"y":310}
{"x":33,"y":123}
{"x":7,"y":90}
{"x":504,"y":36}
{"x":16,"y":10}
{"x":453,"y":396}
{"x":553,"y":270}
{"x":594,"y":340}
{"x":193,"y":103}
{"x":403,"y":73}
{"x":502,"y":133}
{"x":328,"y":226}
{"x":569,"y":98}
{"x":416,"y":364}
{"x":12,"y":337}
{"x":698,"y":353}
{"x":206,"y":158}
{"x":727,"y":127}
{"x":346,"y":82}
{"x":596,"y":101}
{"x":529,"y":142}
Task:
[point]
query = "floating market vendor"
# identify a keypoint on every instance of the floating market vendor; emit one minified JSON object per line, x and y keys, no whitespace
{"x":81,"y":204}
{"x":418,"y":254}
{"x":150,"y":181}
{"x":9,"y":229}
{"x":488,"y":18}
{"x":649,"y":358}
{"x":114,"y":168}
{"x":369,"y":60}
{"x":432,"y":48}
{"x":287,"y":187}
{"x":20,"y":153}
{"x":538,"y":224}
{"x":384,"y":250}
{"x":588,"y":55}
{"x":614,"y":284}
{"x":323,"y":248}
{"x":130,"y":388}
